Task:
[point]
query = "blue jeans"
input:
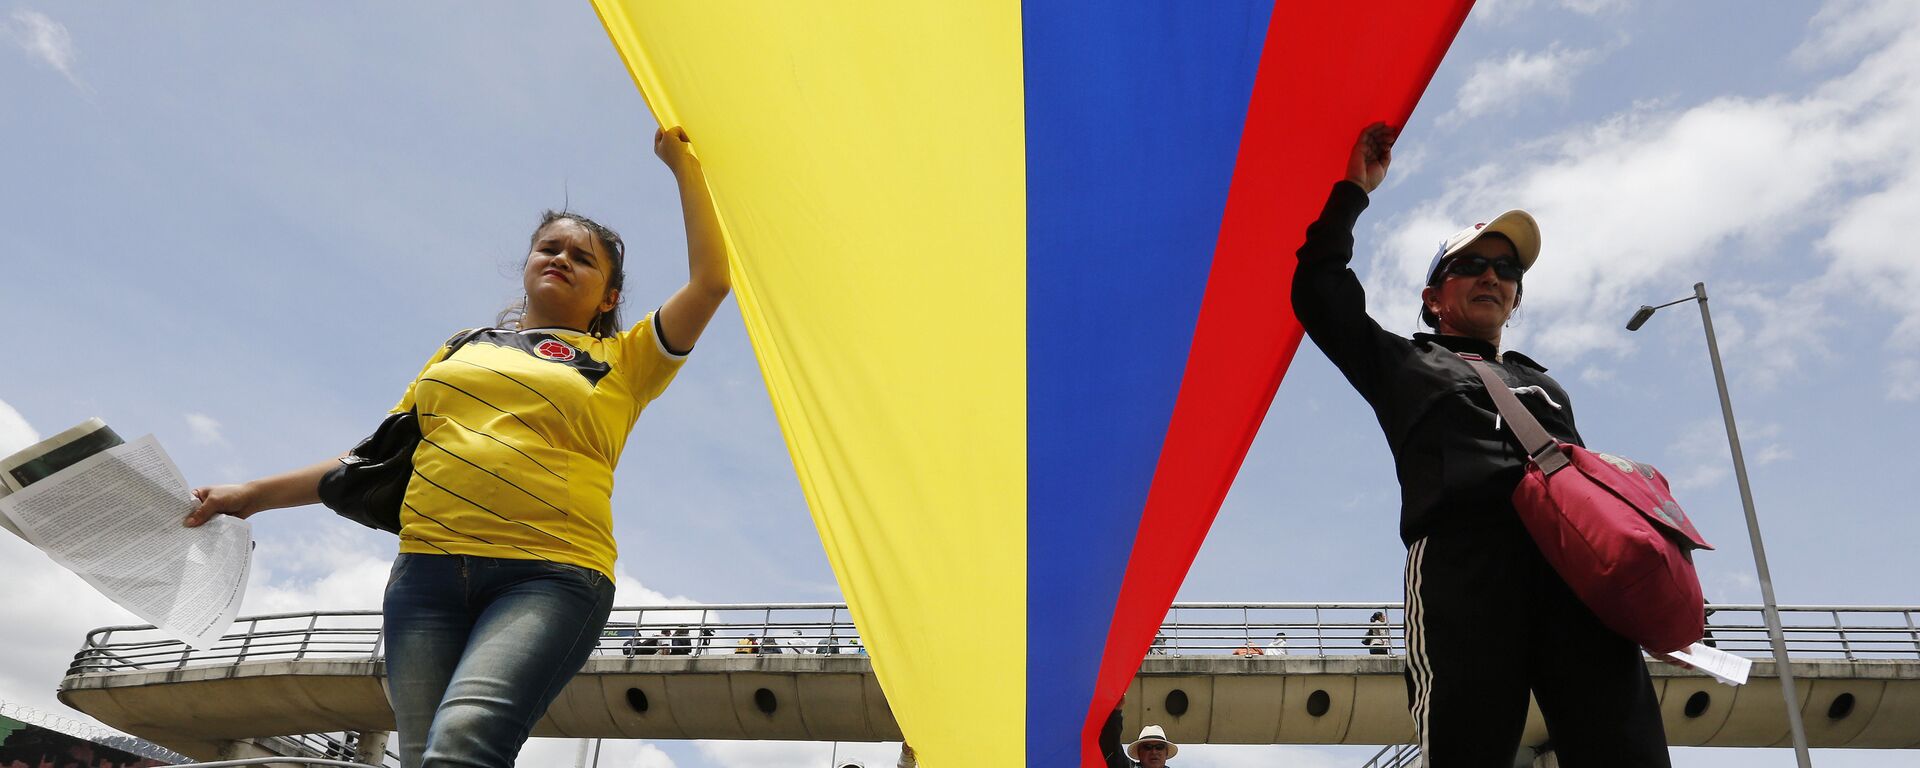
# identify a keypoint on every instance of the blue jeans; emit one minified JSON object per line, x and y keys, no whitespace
{"x":477,"y":647}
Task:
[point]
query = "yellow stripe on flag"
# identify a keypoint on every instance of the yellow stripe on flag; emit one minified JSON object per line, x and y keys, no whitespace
{"x":867,"y":158}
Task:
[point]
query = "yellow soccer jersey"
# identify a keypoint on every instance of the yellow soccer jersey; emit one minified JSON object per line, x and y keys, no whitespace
{"x":520,"y":432}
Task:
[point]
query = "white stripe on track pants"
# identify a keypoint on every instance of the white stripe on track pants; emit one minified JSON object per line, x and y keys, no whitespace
{"x":1488,"y":621}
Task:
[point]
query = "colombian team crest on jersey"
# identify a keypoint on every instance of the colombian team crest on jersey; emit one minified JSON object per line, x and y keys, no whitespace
{"x":553,"y":349}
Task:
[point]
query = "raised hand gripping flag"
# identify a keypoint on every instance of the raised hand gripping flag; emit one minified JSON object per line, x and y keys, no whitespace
{"x":1017,"y":277}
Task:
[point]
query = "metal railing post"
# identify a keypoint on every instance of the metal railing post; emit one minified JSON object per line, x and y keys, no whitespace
{"x":313,"y":621}
{"x":246,"y":641}
{"x":1846,"y":647}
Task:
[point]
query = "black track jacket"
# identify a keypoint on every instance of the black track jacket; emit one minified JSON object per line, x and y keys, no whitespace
{"x":1457,"y":471}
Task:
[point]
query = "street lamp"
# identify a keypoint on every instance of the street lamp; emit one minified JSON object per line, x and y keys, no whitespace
{"x":1771,"y":611}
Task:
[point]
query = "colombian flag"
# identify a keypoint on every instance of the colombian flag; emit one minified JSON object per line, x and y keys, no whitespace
{"x":1017,"y":275}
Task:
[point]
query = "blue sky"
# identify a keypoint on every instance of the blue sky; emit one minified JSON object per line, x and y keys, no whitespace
{"x":243,"y":228}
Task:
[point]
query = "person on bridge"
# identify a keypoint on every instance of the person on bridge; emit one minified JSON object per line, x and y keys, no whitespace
{"x":1487,"y":619}
{"x":504,"y":578}
{"x":1378,"y":642}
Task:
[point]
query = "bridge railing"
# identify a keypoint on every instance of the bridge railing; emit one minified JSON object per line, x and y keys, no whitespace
{"x":1246,"y":629}
{"x":1812,"y":632}
{"x":1395,"y":756}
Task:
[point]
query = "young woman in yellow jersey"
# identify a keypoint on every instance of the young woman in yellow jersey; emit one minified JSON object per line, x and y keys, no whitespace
{"x":504,"y":579}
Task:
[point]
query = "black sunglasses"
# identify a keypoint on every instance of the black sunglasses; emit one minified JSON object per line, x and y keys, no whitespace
{"x":1472,"y":265}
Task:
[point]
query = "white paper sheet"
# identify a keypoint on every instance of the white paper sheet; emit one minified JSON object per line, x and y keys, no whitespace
{"x":114,"y":519}
{"x":1724,"y":667}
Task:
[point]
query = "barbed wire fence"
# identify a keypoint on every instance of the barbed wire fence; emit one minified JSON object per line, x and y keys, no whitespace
{"x":93,"y":732}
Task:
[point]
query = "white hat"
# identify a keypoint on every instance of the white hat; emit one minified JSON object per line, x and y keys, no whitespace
{"x":1516,"y":225}
{"x":1151,"y":733}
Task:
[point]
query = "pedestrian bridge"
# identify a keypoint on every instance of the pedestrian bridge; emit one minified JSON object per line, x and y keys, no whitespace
{"x":1223,"y":673}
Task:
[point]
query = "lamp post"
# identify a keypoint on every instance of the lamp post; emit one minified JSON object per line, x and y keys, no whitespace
{"x":1772,"y":611}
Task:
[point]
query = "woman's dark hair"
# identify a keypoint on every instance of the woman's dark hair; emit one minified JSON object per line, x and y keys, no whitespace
{"x":606,"y":323}
{"x":1440,"y":276}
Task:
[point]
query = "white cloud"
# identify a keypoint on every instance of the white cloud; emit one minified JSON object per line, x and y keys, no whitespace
{"x":1755,"y":324}
{"x":205,"y":429}
{"x":334,"y":569}
{"x":798,"y":754}
{"x":1702,"y":450}
{"x":1731,"y":581}
{"x":1694,"y":477}
{"x":1494,"y":11}
{"x":614,"y":753}
{"x":1502,"y":84}
{"x":46,"y":40}
{"x":49,"y":612}
{"x":1596,"y":7}
{"x":15,"y":432}
{"x":647,"y":756}
{"x":1260,"y":756}
{"x":1502,"y":11}
{"x":1771,"y":453}
{"x":1407,"y":162}
{"x":1761,"y":441}
{"x":1903,"y":381}
{"x":1871,"y":247}
{"x":1636,"y":208}
{"x":1844,"y":27}
{"x":1705,"y":460}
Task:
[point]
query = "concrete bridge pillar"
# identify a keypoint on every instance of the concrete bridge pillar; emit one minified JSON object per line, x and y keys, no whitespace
{"x":373,"y":747}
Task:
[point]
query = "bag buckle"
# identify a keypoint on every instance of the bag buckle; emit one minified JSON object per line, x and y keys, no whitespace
{"x":1550,"y":459}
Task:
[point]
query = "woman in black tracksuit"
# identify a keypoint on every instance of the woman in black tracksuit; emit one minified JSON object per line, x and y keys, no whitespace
{"x":1488,"y":620}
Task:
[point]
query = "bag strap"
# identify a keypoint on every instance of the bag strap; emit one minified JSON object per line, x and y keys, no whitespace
{"x":1534,"y":438}
{"x":461,"y":340}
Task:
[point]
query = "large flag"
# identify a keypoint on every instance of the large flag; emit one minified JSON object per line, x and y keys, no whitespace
{"x":1017,"y":277}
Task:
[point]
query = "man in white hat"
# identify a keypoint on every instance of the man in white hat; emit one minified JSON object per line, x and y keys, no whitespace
{"x":1152,"y":749}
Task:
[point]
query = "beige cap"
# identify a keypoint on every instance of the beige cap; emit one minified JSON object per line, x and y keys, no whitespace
{"x":1516,"y":225}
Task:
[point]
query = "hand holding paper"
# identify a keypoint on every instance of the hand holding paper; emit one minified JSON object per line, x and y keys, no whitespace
{"x":1724,"y":667}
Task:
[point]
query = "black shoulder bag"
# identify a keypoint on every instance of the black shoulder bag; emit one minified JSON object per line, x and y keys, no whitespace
{"x":372,"y":478}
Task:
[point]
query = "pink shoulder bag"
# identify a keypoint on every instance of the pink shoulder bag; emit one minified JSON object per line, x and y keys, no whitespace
{"x":1610,"y":527}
